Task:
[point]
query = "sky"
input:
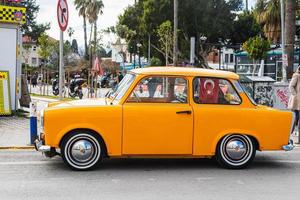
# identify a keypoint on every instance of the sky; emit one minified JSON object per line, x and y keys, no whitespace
{"x":112,"y":9}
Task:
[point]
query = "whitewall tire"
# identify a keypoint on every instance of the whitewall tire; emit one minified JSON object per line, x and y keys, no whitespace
{"x":235,"y":151}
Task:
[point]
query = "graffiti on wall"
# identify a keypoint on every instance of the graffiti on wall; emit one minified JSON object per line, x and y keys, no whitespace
{"x":263,"y":93}
{"x":281,"y":97}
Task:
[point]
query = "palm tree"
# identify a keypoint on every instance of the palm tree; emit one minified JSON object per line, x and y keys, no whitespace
{"x":267,"y":14}
{"x":93,"y":10}
{"x":290,"y":28}
{"x":81,"y":6}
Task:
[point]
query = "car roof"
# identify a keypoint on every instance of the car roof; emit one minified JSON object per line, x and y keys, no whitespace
{"x":186,"y":71}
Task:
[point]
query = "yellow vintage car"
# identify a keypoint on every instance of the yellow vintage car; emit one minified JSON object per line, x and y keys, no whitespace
{"x":160,"y":112}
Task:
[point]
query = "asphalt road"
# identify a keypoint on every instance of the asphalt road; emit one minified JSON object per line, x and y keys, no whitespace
{"x":27,"y":175}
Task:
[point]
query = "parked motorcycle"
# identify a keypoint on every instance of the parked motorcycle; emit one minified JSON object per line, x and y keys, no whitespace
{"x":106,"y":81}
{"x":75,"y":89}
{"x":55,"y":86}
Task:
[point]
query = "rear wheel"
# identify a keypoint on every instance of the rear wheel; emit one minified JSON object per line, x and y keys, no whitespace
{"x":235,"y":151}
{"x":81,"y":150}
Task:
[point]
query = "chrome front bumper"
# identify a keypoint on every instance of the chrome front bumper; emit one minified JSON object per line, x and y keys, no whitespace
{"x":290,"y":146}
{"x":38,"y":144}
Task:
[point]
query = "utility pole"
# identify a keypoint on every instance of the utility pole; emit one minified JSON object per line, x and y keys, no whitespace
{"x":149,"y":49}
{"x":284,"y":74}
{"x":175,"y":46}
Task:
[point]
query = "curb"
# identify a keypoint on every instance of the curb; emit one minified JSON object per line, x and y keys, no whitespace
{"x":18,"y":148}
{"x":49,"y":100}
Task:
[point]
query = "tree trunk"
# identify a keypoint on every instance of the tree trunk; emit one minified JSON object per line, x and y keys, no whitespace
{"x":290,"y":28}
{"x":175,"y":45}
{"x":95,"y":38}
{"x":166,"y":55}
{"x":85,"y":39}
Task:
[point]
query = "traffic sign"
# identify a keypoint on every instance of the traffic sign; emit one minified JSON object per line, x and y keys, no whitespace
{"x":62,"y":14}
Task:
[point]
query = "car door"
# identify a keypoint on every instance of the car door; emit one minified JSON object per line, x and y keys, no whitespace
{"x":157,"y":118}
{"x":217,"y":111}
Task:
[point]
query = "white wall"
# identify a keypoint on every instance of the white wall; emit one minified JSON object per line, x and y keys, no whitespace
{"x":8,"y":58}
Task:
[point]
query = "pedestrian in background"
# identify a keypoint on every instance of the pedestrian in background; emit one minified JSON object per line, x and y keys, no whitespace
{"x":294,"y":101}
{"x":34,"y":80}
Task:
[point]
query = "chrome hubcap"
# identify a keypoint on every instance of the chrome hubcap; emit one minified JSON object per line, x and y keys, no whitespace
{"x":82,"y":150}
{"x":236,"y":149}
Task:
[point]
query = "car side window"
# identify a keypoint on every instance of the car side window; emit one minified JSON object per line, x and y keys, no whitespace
{"x":215,"y":91}
{"x":160,"y":89}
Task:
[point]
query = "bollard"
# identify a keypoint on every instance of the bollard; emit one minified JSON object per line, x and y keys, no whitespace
{"x":33,"y":122}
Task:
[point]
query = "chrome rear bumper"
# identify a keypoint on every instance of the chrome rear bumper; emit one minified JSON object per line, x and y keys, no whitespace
{"x":290,"y":146}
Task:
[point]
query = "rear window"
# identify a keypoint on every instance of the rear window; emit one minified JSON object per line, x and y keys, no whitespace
{"x":208,"y":90}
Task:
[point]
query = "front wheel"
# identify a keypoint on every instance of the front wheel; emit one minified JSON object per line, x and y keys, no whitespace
{"x":235,"y":151}
{"x":81,"y":150}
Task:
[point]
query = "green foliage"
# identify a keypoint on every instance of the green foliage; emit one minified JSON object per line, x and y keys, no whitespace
{"x":32,"y":28}
{"x":257,"y":48}
{"x":268,"y":15}
{"x":49,"y":50}
{"x":213,"y":19}
{"x":155,"y":62}
{"x":46,"y":46}
{"x":246,"y":27}
{"x":165,"y":34}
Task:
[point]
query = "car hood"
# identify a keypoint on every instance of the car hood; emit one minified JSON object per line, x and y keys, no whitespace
{"x":84,"y":102}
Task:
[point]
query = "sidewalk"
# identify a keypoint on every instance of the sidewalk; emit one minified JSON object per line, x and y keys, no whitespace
{"x":15,"y":131}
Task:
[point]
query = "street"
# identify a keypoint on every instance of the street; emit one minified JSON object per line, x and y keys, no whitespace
{"x":28,"y":175}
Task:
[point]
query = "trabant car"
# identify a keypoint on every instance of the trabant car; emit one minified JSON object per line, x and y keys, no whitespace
{"x":159,"y":112}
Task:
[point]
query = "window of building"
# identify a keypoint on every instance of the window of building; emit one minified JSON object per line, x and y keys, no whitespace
{"x":215,"y":91}
{"x":34,"y":61}
{"x":231,"y":58}
{"x":160,"y":90}
{"x":226,"y":58}
{"x":34,"y":48}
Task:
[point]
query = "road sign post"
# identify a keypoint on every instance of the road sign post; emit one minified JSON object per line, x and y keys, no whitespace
{"x":63,"y":19}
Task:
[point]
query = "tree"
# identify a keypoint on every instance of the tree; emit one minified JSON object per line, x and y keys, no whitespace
{"x":71,"y":32}
{"x":195,"y":16}
{"x":155,"y":62}
{"x":267,"y":14}
{"x":81,"y":6}
{"x":175,"y":39}
{"x":93,"y":10}
{"x":247,"y":27}
{"x":257,"y":49}
{"x":165,"y":35}
{"x":131,"y":23}
{"x":32,"y":28}
{"x":46,"y":47}
{"x":74,"y":46}
{"x":290,"y":29}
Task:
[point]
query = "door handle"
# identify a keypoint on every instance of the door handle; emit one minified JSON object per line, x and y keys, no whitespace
{"x":188,"y":112}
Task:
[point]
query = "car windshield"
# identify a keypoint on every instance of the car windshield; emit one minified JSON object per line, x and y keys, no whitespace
{"x":122,"y":87}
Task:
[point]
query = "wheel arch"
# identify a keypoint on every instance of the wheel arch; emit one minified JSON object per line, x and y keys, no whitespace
{"x":98,"y":135}
{"x":253,"y":137}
